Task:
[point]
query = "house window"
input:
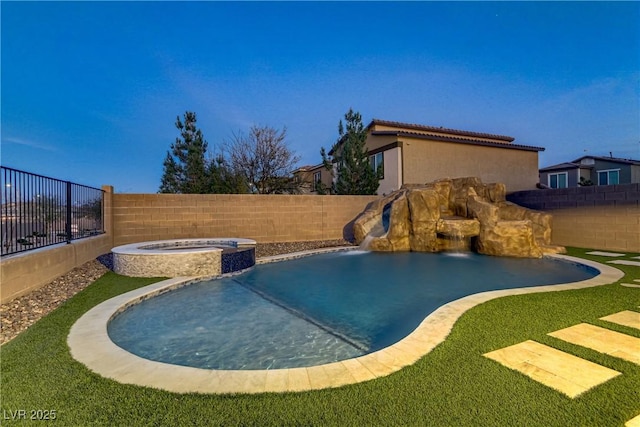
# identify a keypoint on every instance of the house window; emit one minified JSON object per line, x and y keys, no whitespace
{"x":317,"y":180}
{"x":558,"y":180}
{"x":609,"y":177}
{"x":377,"y":163}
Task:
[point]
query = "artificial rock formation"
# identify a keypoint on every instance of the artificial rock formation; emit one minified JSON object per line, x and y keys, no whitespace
{"x":454,"y":214}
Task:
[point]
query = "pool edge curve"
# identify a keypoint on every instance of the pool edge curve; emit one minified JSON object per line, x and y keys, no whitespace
{"x":90,"y":344}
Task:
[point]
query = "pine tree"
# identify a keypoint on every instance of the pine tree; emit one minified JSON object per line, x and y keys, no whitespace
{"x":171,"y":179}
{"x":355,"y":173}
{"x":185,"y":166}
{"x":223,"y":180}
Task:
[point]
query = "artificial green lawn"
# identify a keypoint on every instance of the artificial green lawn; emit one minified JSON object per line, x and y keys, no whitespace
{"x":454,"y":385}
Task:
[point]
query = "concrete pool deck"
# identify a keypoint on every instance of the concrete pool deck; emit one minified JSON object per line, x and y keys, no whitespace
{"x":90,"y":344}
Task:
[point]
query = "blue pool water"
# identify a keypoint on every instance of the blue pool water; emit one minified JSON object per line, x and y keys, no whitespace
{"x":318,"y":309}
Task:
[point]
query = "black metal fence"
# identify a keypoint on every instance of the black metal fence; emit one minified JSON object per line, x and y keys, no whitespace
{"x":39,"y":211}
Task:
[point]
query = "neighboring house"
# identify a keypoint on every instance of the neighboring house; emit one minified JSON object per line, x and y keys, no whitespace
{"x":417,"y":154}
{"x":591,"y":170}
{"x":311,"y":177}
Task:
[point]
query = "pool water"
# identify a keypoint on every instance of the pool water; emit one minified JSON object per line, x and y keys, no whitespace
{"x":318,"y":309}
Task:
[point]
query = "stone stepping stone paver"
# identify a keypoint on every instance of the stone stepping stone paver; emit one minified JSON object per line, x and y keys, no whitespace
{"x":630,"y":285}
{"x":611,"y":254}
{"x":625,"y":318}
{"x":561,"y":371}
{"x":603,"y":340}
{"x":624,"y":262}
{"x":633,"y":422}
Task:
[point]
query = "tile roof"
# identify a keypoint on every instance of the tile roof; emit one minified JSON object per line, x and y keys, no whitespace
{"x":458,"y":139}
{"x":609,"y":159}
{"x":566,"y":165}
{"x":307,"y":168}
{"x":576,"y":163}
{"x":444,"y":134}
{"x":418,"y":127}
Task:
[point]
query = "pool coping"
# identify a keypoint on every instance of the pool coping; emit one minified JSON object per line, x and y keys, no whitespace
{"x":193,"y":257}
{"x":147,"y":247}
{"x":90,"y":344}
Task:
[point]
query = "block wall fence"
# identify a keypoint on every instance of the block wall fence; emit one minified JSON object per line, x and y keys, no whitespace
{"x":596,"y":217}
{"x":599,"y":217}
{"x":263,"y":218}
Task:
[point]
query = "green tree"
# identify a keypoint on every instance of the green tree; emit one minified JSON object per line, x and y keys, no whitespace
{"x":185,"y":169}
{"x":188,"y":170}
{"x":355,"y":175}
{"x":222,"y":178}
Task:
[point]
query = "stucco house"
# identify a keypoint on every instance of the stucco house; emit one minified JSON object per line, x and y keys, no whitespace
{"x":311,"y":176}
{"x":591,"y":170}
{"x":416,"y":154}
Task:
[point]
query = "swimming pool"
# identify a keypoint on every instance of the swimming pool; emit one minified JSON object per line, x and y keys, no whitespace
{"x":318,"y":309}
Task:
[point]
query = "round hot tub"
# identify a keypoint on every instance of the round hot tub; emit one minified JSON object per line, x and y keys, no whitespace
{"x":184,"y":257}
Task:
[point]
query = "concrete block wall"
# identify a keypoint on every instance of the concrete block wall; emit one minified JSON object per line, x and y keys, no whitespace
{"x":601,"y":217}
{"x":615,"y":228}
{"x":27,"y":271}
{"x":263,"y":218}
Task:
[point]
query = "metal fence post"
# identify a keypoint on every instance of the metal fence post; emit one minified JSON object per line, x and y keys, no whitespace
{"x":68,"y":222}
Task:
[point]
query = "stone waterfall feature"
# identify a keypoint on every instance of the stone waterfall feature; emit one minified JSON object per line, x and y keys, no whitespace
{"x":454,"y":214}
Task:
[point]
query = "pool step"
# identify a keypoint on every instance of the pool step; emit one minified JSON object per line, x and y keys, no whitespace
{"x":364,"y":347}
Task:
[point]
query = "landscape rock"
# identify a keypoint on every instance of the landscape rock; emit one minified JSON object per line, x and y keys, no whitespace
{"x":448,"y":214}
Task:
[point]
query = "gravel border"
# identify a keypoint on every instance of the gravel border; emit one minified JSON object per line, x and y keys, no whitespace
{"x":20,"y":313}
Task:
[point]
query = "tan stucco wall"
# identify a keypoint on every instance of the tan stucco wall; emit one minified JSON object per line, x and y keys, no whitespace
{"x":392,"y":171}
{"x":615,"y":228}
{"x":426,"y":161}
{"x":264,"y":218}
{"x":373,"y":142}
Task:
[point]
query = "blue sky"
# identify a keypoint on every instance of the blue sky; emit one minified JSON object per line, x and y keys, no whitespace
{"x":91,"y":90}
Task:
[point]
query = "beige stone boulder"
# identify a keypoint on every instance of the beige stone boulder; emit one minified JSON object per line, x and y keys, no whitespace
{"x":540,"y":221}
{"x":364,"y":224}
{"x":370,"y":221}
{"x":508,"y":238}
{"x":482,"y":210}
{"x":399,"y":224}
{"x":381,"y":244}
{"x":446,"y":213}
{"x":424,"y":205}
{"x":423,"y":237}
{"x":458,"y":227}
{"x":443,"y":189}
{"x":424,"y":209}
{"x":496,"y":192}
